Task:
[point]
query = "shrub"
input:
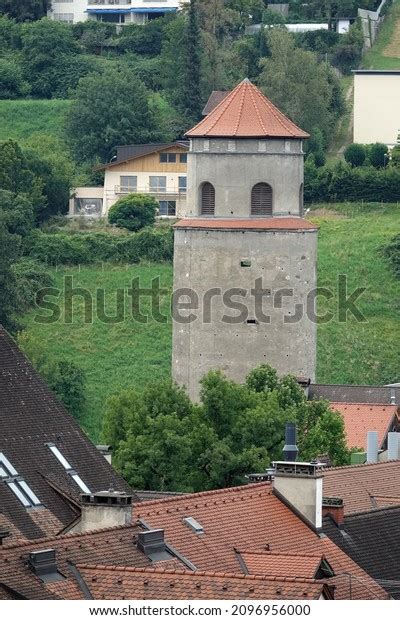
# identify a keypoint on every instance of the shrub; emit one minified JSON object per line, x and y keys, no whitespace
{"x":133,"y":212}
{"x":80,"y":248}
{"x":392,"y":252}
{"x":30,"y":277}
{"x":12,"y":84}
{"x":377,"y":154}
{"x":355,"y":154}
{"x":18,"y":212}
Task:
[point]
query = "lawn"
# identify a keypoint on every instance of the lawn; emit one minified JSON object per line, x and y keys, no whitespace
{"x":385,"y":53}
{"x":22,"y":118}
{"x":128,"y":353}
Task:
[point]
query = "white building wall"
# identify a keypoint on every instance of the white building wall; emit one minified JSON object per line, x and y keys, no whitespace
{"x":61,"y":8}
{"x":376,"y":107}
{"x":73,"y":11}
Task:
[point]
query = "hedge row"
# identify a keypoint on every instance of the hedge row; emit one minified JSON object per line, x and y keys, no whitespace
{"x":343,"y":183}
{"x":392,"y":252}
{"x":60,"y":248}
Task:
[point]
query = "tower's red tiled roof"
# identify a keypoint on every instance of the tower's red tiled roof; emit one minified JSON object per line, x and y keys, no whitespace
{"x":359,"y":418}
{"x":246,"y":113}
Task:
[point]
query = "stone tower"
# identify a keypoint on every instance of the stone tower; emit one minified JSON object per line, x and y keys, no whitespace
{"x":244,"y":258}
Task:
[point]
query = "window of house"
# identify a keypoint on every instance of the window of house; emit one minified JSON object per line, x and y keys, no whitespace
{"x":167,"y":207}
{"x":128,"y":184}
{"x":206,"y":145}
{"x":88,"y":206}
{"x":207,"y":199}
{"x":17,"y":484}
{"x":261,"y":199}
{"x":71,"y":472}
{"x":158,"y":184}
{"x":168,"y":158}
{"x":262,"y":146}
{"x":183,"y":158}
{"x":182,"y":181}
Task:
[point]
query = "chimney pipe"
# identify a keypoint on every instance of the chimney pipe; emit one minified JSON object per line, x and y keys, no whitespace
{"x":393,"y":446}
{"x":290,"y":449}
{"x":372,"y":447}
{"x":392,"y":396}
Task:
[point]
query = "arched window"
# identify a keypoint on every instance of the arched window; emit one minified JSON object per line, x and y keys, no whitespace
{"x":207,"y":199}
{"x":261,"y":199}
{"x":301,"y":200}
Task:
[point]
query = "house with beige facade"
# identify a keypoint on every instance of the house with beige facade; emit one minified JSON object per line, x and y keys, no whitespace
{"x":376,"y":107}
{"x":155,"y":169}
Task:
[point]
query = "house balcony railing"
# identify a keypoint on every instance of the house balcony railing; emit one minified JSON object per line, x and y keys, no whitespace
{"x":156,"y":191}
{"x":108,"y":2}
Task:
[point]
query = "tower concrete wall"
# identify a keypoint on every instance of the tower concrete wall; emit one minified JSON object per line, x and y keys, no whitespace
{"x":208,"y":264}
{"x":235,"y":166}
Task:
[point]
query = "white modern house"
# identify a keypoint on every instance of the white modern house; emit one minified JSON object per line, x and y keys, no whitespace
{"x":118,"y":12}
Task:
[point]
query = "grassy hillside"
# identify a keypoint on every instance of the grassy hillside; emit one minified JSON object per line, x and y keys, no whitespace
{"x":385,"y":53}
{"x":22,"y":118}
{"x":130,"y":354}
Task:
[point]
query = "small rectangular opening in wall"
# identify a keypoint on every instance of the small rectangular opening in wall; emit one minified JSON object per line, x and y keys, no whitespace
{"x":252,"y":322}
{"x":245,"y":262}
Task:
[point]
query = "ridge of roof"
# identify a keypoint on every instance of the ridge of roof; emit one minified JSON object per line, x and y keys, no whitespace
{"x":212,"y":493}
{"x":360,"y":465}
{"x":225,"y":119}
{"x":352,"y":404}
{"x":296,"y":554}
{"x":197,"y":573}
{"x":373,"y":511}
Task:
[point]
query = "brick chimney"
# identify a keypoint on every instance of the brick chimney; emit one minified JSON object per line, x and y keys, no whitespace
{"x":334,"y":508}
{"x":104,"y":509}
{"x":300,"y":486}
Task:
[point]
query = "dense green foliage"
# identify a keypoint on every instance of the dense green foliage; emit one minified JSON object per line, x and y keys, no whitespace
{"x":30,"y":276}
{"x":133,"y":212}
{"x":8,"y":291}
{"x":109,"y":109}
{"x":155,"y":244}
{"x":341,"y":182}
{"x":392,"y":252}
{"x":355,"y":154}
{"x":25,"y":10}
{"x":163,"y":441}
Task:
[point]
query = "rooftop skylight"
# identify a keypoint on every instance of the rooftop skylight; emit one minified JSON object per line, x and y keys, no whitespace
{"x":71,"y":472}
{"x":17,"y":484}
{"x":194,"y":525}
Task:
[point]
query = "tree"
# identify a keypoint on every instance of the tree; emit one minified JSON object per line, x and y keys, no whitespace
{"x":191,"y":95}
{"x":133,"y":212}
{"x":299,"y":85}
{"x":355,"y":154}
{"x":164,"y":441}
{"x":12,"y":83}
{"x":25,"y":10}
{"x":109,"y":109}
{"x":378,"y":154}
{"x":18,"y":212}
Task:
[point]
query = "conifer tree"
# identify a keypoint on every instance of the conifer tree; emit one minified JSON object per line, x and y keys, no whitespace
{"x":191,"y":92}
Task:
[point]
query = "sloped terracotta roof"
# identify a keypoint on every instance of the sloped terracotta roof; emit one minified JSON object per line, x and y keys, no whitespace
{"x":358,"y":485}
{"x":267,"y":223}
{"x":246,"y":518}
{"x":246,"y":113}
{"x":109,"y":546}
{"x":359,"y":418}
{"x":108,"y":582}
{"x":281,"y":564}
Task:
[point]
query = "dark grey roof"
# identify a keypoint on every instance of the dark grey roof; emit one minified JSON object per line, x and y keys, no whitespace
{"x":30,"y":417}
{"x":371,"y":394}
{"x":214,"y":99}
{"x":372,"y":540}
{"x":131,"y":151}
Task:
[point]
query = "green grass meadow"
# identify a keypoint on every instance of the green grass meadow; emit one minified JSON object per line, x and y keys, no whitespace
{"x":385,"y":53}
{"x":22,"y":118}
{"x":130,"y":354}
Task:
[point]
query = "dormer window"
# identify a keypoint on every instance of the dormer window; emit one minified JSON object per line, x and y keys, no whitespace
{"x":261,"y":200}
{"x":17,"y":484}
{"x":71,"y":472}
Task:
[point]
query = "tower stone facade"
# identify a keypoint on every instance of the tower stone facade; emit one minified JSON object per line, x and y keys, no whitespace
{"x":244,"y":257}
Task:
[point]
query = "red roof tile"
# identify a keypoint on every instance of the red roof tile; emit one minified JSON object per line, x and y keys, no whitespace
{"x":268,"y":223}
{"x":358,"y":485}
{"x":246,"y":518}
{"x":246,"y":113}
{"x":282,"y":564}
{"x":360,"y":418}
{"x":108,"y":582}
